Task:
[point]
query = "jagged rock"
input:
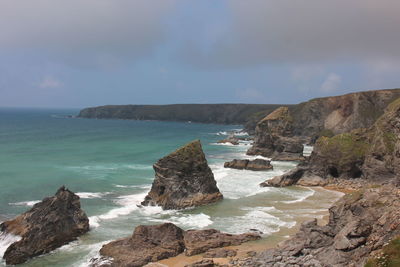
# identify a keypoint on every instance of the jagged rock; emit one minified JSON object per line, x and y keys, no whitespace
{"x":220,"y":253}
{"x":253,"y":165}
{"x":360,"y":223}
{"x":147,"y":244}
{"x":51,"y":223}
{"x":230,"y":140}
{"x":274,"y":136}
{"x":199,"y":241}
{"x":183,"y":179}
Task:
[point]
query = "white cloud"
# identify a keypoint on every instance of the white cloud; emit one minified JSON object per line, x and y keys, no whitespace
{"x":331,"y":83}
{"x":50,"y":82}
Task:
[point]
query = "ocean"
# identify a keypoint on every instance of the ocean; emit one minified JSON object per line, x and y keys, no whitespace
{"x":108,"y":163}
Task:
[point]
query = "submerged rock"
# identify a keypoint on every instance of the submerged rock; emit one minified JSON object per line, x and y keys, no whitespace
{"x":230,"y":140}
{"x":50,"y":224}
{"x":148,"y":243}
{"x":183,"y":179}
{"x":253,"y":165}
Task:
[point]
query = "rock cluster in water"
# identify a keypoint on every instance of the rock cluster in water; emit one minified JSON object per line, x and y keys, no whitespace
{"x":253,"y":165}
{"x":183,"y":179}
{"x":50,"y":224}
{"x":151,"y":243}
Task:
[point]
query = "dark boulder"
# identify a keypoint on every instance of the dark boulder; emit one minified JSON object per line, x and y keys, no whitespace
{"x":50,"y":224}
{"x":253,"y":165}
{"x":183,"y":179}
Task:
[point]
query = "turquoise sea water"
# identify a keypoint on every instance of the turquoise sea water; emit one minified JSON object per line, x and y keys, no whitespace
{"x":108,"y":163}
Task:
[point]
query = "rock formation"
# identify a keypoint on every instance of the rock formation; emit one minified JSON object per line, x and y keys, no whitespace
{"x":151,"y":243}
{"x":372,"y":154}
{"x":183,"y":179}
{"x":253,"y":165}
{"x":199,"y":241}
{"x":147,"y":244}
{"x":230,"y":140}
{"x":274,"y":137}
{"x":50,"y":224}
{"x":360,"y":224}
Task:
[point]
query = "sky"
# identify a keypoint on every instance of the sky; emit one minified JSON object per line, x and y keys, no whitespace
{"x":79,"y":53}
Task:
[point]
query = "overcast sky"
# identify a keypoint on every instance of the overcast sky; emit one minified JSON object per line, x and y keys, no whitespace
{"x":77,"y":53}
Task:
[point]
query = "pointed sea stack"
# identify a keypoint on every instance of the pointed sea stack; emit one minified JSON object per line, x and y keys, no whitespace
{"x":183,"y":179}
{"x":50,"y":224}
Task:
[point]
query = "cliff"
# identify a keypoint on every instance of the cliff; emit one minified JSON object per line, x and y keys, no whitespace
{"x":308,"y":121}
{"x":204,"y":113}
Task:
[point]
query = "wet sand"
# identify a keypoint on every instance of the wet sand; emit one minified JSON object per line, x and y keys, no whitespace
{"x":315,"y":206}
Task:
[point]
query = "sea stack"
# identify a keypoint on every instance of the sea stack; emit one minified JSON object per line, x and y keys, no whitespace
{"x":183,"y":179}
{"x":50,"y":224}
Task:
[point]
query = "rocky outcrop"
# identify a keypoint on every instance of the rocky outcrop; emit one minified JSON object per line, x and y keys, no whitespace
{"x":252,"y":165}
{"x":199,"y":241}
{"x":147,"y":244}
{"x":372,"y":154}
{"x":230,"y":140}
{"x":183,"y":179}
{"x":274,"y":136}
{"x":360,"y":224}
{"x":50,"y":224}
{"x":220,"y":253}
{"x":151,"y":243}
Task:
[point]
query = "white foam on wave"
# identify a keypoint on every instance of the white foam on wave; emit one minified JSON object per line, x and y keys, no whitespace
{"x":196,"y":221}
{"x":6,"y":240}
{"x":236,"y":132}
{"x":92,"y":194}
{"x":145,"y":186}
{"x":128,"y":203}
{"x":25,"y":203}
{"x":300,"y":196}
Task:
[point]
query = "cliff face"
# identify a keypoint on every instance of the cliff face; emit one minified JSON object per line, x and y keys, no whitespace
{"x":183,"y":179}
{"x":318,"y":117}
{"x":204,"y":113}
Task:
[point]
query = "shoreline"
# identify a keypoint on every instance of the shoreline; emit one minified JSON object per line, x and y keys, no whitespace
{"x":268,"y":242}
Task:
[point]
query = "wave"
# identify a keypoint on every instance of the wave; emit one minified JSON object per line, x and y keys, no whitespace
{"x":6,"y":240}
{"x":300,"y":197}
{"x":143,"y":186}
{"x":197,"y":221}
{"x":25,"y":203}
{"x":92,"y":194}
{"x":236,"y":132}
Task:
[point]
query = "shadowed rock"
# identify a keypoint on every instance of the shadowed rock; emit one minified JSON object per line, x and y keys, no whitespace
{"x":183,"y":179}
{"x":50,"y":224}
{"x":253,"y":165}
{"x":148,"y":243}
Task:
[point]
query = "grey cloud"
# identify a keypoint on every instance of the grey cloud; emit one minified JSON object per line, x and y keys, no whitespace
{"x":99,"y":32}
{"x":299,"y":31}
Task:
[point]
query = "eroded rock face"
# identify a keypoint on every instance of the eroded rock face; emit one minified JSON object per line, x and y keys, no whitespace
{"x":230,"y":140}
{"x":359,"y":224}
{"x":253,"y":165}
{"x":199,"y":241}
{"x":183,"y":179}
{"x":274,"y":136}
{"x":148,"y":243}
{"x":50,"y":224}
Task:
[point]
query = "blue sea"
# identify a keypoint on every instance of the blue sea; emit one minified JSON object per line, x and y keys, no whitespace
{"x":108,"y":163}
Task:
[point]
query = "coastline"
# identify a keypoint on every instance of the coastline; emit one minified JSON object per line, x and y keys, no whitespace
{"x":271,"y":241}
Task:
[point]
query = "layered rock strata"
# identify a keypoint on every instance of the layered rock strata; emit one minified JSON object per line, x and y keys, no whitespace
{"x":183,"y":179}
{"x":50,"y":224}
{"x":253,"y":165}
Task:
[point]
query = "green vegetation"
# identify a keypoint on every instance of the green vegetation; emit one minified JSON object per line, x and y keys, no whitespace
{"x":343,"y":148}
{"x":326,"y":133}
{"x":390,"y":256}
